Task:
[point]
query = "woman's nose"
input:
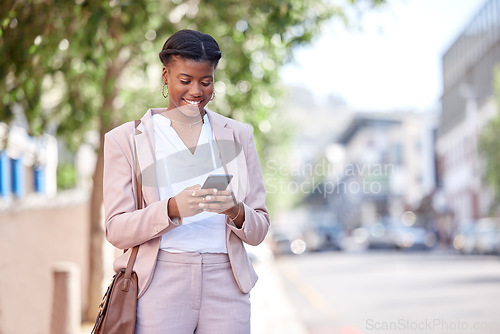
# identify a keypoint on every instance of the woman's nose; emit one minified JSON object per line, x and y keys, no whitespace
{"x":195,"y":90}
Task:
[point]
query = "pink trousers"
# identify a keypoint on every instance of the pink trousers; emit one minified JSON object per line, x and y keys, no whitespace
{"x":193,"y":293}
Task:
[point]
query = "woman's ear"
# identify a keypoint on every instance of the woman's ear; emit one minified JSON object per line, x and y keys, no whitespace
{"x":164,"y":74}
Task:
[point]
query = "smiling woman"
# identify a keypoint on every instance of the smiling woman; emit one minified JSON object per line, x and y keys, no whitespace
{"x":190,"y":83}
{"x":189,"y":60}
{"x":194,"y":273}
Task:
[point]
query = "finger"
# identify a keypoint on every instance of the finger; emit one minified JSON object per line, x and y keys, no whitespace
{"x":207,"y":192}
{"x":196,"y":186}
{"x":195,"y":191}
{"x":230,"y":194}
{"x":203,"y":206}
{"x":219,"y":199}
{"x":212,"y":198}
{"x":224,"y":192}
{"x":212,"y":207}
{"x":215,"y":207}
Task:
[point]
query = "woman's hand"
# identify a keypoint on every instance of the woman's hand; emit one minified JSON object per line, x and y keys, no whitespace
{"x":217,"y":200}
{"x":186,"y":203}
{"x":224,"y":201}
{"x":194,"y":200}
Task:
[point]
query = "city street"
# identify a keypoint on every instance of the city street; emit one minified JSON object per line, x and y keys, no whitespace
{"x":393,"y":292}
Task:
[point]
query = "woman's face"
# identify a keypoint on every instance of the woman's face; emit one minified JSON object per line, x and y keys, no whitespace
{"x":190,"y":84}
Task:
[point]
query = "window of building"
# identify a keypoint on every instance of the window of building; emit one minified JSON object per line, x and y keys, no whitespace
{"x":5,"y":175}
{"x":40,"y":184}
{"x":18,"y":178}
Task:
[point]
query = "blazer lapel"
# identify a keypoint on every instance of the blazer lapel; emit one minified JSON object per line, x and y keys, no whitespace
{"x":145,"y":158}
{"x":223,"y":136}
{"x":232,"y":155}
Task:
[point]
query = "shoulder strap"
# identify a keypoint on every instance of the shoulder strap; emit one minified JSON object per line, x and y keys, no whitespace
{"x":133,"y":255}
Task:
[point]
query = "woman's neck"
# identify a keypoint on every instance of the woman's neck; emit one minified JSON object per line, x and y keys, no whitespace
{"x":177,"y":114}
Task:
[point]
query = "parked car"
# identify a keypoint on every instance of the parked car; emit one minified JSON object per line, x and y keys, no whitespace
{"x":324,"y":236}
{"x":464,"y":240}
{"x":287,"y":241}
{"x":479,"y":237}
{"x":488,"y":236}
{"x":415,"y":237}
{"x":379,"y":235}
{"x":393,"y":234}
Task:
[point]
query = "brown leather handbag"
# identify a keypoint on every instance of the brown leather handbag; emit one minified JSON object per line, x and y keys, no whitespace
{"x":118,"y":307}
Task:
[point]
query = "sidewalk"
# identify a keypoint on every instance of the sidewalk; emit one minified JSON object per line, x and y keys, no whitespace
{"x":272,"y":312}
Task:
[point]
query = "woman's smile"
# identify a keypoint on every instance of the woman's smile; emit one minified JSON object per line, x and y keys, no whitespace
{"x":193,"y":102}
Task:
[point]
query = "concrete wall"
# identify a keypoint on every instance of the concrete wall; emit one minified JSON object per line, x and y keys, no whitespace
{"x":34,"y":234}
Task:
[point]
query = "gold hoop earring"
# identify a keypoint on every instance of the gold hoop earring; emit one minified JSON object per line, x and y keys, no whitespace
{"x":163,"y":90}
{"x":213,"y":96}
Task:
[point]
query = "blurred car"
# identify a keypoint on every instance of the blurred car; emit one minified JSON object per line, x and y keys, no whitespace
{"x":376,"y":235}
{"x":287,"y":241}
{"x":464,"y":240}
{"x":488,"y":236}
{"x":415,"y":237}
{"x":324,"y":236}
{"x":479,"y":237}
{"x":393,"y":234}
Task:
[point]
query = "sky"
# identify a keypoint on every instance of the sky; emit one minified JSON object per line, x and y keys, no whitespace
{"x":393,"y":62}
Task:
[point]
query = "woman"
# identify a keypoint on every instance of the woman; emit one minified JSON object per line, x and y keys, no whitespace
{"x":194,"y":273}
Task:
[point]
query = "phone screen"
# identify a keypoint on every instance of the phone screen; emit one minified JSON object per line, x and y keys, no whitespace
{"x":217,"y":181}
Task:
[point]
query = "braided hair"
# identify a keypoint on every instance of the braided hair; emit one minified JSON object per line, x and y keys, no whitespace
{"x":193,"y":45}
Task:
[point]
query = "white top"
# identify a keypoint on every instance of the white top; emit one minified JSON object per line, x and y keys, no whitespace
{"x":177,"y":168}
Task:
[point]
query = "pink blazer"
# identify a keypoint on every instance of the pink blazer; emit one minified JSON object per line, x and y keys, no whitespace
{"x":128,"y":150}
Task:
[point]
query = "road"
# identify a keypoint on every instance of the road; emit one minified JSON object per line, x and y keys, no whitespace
{"x":393,"y":292}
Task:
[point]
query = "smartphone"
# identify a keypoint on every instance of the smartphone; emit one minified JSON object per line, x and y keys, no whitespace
{"x":217,"y":181}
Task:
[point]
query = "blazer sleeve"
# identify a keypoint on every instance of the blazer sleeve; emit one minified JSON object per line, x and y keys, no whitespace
{"x":126,"y":226}
{"x":256,"y":224}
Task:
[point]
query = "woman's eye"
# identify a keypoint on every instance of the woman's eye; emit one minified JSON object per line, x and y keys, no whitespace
{"x":184,"y":82}
{"x":206,"y":84}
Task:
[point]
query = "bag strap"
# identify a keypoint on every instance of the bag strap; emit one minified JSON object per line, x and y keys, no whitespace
{"x":137,"y":182}
{"x":133,"y":255}
{"x":128,"y":270}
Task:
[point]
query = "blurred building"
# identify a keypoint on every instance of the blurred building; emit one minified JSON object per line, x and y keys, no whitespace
{"x":387,"y":167}
{"x":27,"y":165}
{"x":40,"y":228}
{"x":467,"y":105}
